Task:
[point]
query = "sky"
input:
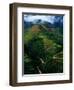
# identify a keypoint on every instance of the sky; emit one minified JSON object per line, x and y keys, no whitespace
{"x":44,"y":18}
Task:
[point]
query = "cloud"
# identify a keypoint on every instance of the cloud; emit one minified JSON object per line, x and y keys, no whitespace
{"x":32,"y":18}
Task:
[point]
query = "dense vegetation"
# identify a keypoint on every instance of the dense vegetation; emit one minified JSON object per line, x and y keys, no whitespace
{"x":43,"y":47}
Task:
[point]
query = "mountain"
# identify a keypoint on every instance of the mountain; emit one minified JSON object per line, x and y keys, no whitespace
{"x":57,"y":23}
{"x":27,"y":24}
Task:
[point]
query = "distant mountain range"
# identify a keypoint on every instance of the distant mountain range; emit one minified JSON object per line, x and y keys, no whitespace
{"x":57,"y":22}
{"x":28,"y":24}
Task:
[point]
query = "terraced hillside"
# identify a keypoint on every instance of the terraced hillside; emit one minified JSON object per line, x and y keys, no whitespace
{"x":43,"y":49}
